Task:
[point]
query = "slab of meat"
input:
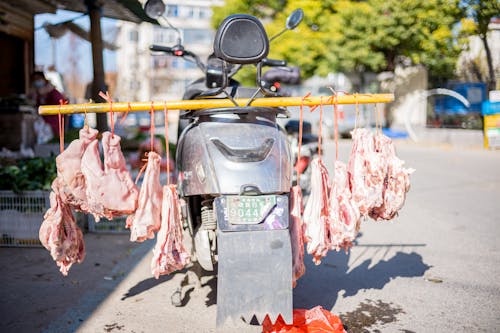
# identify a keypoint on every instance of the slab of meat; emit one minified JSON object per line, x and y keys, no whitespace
{"x":61,"y":236}
{"x":110,"y":190}
{"x":384,"y":145}
{"x":344,"y":213}
{"x":367,"y":168}
{"x":147,"y":218}
{"x":316,"y":212}
{"x":70,"y":182}
{"x":296,"y":234}
{"x":397,"y":181}
{"x":169,"y":254}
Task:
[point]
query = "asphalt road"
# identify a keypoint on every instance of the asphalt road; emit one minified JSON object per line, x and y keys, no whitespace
{"x":435,"y":268}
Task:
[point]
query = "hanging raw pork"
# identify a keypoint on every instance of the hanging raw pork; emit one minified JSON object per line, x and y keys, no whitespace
{"x":70,"y":182}
{"x":397,"y":181}
{"x":367,"y":169}
{"x":296,"y":234}
{"x":344,"y":213}
{"x":147,"y":218}
{"x":110,"y":190}
{"x":169,"y":254}
{"x":61,"y":236}
{"x":59,"y":233}
{"x":316,"y":212}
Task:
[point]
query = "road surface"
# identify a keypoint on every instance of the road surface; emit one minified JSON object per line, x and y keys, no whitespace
{"x":435,"y":268}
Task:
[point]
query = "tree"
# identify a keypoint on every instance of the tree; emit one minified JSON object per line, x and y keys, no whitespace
{"x":308,"y":53}
{"x":259,"y":8}
{"x":358,"y":36}
{"x":482,"y":11}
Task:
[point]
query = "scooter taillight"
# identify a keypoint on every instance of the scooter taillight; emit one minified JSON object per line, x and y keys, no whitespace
{"x":302,"y":164}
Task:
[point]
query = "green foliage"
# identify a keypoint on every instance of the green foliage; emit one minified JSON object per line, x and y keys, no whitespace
{"x":354,"y":36}
{"x":246,"y":75}
{"x":482,"y":11}
{"x":264,"y":9}
{"x":308,"y":46}
{"x":28,"y":175}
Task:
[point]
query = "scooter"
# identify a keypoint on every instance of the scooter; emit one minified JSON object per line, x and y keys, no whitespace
{"x":235,"y":173}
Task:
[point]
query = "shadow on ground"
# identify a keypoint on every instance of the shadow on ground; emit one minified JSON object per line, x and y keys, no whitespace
{"x":321,"y":285}
{"x":146,"y":285}
{"x":192,"y":278}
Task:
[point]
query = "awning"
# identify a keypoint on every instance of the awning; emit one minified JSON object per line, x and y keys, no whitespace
{"x":126,"y":10}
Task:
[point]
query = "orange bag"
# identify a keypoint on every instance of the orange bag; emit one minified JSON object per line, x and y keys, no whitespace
{"x":315,"y":320}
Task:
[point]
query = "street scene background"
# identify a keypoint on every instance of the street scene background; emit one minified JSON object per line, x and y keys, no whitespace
{"x":433,"y":268}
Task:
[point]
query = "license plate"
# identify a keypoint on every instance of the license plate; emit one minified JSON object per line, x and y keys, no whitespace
{"x":249,"y":209}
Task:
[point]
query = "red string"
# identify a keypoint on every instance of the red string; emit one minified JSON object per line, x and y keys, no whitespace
{"x":357,"y":111}
{"x":151,"y":138}
{"x":142,"y":168}
{"x":85,"y":122}
{"x":335,"y":100}
{"x":379,"y":118}
{"x":126,"y":114}
{"x":301,"y":122}
{"x":165,"y":113}
{"x":61,"y":125}
{"x":152,"y":126}
{"x":107,"y":98}
{"x":336,"y":125}
{"x":320,"y":130}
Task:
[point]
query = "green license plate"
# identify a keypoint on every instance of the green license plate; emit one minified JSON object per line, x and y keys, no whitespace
{"x":249,"y":209}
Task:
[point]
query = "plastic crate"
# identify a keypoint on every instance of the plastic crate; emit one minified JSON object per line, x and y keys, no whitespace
{"x":115,"y":226}
{"x":21,"y":216}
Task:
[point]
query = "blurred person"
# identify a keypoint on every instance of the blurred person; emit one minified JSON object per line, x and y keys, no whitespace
{"x":44,"y":93}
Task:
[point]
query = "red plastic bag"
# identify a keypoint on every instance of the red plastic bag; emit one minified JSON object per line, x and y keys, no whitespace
{"x":315,"y":320}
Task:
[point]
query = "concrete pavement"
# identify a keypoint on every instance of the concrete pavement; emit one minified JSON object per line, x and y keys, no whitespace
{"x":434,"y":268}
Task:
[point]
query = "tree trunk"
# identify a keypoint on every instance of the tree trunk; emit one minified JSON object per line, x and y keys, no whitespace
{"x":492,"y":82}
{"x":98,"y":83}
{"x":391,"y":61}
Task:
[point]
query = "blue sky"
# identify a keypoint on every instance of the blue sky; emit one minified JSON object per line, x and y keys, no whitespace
{"x":80,"y":50}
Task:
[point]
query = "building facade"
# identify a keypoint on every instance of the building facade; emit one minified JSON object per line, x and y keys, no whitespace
{"x":144,"y":75}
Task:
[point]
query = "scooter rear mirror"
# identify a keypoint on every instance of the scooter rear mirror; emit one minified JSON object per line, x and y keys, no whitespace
{"x":294,"y":19}
{"x":155,"y":8}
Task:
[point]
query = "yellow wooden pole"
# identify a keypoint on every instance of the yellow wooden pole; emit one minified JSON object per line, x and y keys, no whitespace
{"x":213,"y":103}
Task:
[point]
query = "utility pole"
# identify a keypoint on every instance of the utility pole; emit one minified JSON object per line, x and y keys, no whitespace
{"x":98,"y":84}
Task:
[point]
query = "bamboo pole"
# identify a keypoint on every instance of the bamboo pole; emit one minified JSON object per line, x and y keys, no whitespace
{"x":213,"y":103}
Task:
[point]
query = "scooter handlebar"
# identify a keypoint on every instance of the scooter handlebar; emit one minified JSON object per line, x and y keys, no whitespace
{"x":273,"y":62}
{"x":179,"y":51}
{"x":161,"y":48}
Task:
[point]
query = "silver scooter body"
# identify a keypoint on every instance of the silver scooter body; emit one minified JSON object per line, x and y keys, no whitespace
{"x":241,"y":157}
{"x":234,"y":153}
{"x":235,"y":175}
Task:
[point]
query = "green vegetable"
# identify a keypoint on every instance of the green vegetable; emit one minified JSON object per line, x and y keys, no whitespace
{"x":27,"y":175}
